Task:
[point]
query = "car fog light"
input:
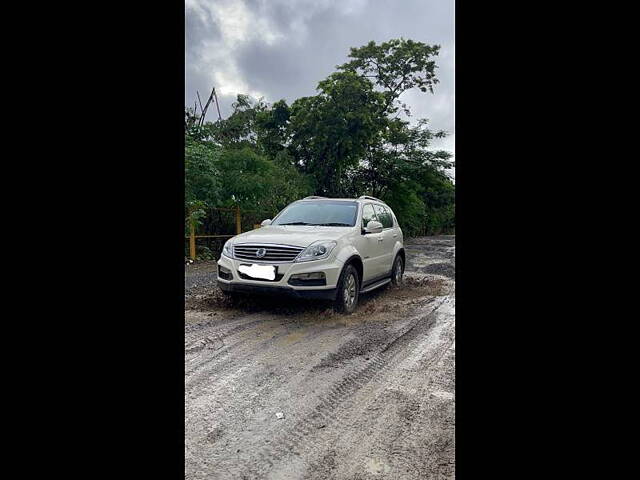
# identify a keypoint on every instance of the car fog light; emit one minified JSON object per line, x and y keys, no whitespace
{"x":224,"y":273}
{"x":309,"y":276}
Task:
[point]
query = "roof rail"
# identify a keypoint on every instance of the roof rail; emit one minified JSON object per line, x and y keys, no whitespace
{"x":312,"y":196}
{"x":368,"y":197}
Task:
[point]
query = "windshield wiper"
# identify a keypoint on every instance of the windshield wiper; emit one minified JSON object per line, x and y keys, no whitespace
{"x":333,"y":224}
{"x":295,"y":223}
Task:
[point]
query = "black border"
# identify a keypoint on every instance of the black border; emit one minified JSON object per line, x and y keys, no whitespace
{"x":107,"y":320}
{"x":113,"y":257}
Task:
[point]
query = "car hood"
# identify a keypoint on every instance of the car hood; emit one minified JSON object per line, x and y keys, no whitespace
{"x":298,"y":235}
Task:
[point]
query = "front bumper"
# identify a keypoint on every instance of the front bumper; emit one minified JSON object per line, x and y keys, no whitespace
{"x":331,"y":268}
{"x":324,"y":294}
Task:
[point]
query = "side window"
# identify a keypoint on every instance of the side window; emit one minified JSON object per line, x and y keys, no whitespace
{"x":384,"y":217}
{"x":393,"y":217}
{"x":367,"y":214}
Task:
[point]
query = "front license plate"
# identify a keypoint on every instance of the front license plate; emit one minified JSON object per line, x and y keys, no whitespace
{"x":262,"y":272}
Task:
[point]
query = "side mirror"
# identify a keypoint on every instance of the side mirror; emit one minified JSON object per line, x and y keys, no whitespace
{"x":266,"y":222}
{"x":373,"y":227}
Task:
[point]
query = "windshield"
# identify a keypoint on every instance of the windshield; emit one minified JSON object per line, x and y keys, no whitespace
{"x":323,"y":213}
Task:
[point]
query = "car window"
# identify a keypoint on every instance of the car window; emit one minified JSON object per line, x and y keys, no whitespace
{"x":393,"y":217}
{"x":367,"y":214}
{"x":322,"y":212}
{"x":390,"y":217}
{"x":384,"y":217}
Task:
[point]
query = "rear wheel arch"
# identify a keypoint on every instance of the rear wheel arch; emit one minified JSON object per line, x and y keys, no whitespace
{"x":397,"y":268}
{"x":403,"y":256}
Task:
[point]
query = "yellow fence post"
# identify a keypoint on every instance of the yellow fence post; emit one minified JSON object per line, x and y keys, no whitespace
{"x":238,"y":224}
{"x":192,"y":240}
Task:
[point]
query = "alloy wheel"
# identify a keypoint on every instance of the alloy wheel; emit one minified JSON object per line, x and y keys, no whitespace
{"x":350,"y":291}
{"x":397,"y":271}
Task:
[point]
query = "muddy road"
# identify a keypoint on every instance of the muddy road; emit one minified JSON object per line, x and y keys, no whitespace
{"x":290,"y":390}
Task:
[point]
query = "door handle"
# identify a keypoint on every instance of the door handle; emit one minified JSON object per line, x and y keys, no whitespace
{"x":380,"y":240}
{"x":395,"y":235}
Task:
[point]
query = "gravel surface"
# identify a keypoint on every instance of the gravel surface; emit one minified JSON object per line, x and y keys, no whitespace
{"x":201,"y":274}
{"x":290,"y":390}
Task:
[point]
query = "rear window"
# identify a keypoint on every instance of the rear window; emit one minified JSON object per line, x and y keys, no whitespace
{"x":384,"y":216}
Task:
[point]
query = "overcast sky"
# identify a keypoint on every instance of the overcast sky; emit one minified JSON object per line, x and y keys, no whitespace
{"x":282,"y":48}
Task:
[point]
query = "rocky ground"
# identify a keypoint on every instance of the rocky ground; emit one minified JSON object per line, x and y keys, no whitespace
{"x":291,"y":390}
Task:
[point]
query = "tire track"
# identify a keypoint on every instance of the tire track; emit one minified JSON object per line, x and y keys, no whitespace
{"x":412,"y":448}
{"x":235,"y":348}
{"x":304,"y":437}
{"x":366,"y":396}
{"x":375,"y":440}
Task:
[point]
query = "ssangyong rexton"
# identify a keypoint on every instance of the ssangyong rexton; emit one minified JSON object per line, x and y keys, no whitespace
{"x":324,"y":248}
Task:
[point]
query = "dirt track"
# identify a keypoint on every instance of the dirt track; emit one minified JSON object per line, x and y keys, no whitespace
{"x":365,"y":396}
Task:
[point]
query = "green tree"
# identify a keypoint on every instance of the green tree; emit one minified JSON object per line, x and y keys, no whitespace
{"x":347,"y":140}
{"x":254,"y":182}
{"x":329,"y":133}
{"x":271,"y":128}
{"x":399,"y":166}
{"x":395,"y":66}
{"x":239,"y":130}
{"x":202,"y":185}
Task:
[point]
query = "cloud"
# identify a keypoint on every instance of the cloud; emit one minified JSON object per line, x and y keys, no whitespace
{"x":282,"y":48}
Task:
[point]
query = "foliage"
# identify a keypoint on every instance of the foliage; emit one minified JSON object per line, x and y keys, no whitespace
{"x":329,"y":133}
{"x":399,"y":166}
{"x":396,"y":66}
{"x":347,"y":140}
{"x":202,"y":184}
{"x":254,"y":182}
{"x":239,"y":130}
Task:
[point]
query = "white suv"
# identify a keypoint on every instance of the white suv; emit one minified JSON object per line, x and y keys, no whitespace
{"x":325,"y":248}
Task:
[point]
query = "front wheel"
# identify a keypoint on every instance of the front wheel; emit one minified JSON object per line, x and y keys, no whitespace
{"x":397,"y":271}
{"x":348,"y":291}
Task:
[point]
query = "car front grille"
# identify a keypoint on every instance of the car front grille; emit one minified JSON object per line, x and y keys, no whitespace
{"x":272,"y":253}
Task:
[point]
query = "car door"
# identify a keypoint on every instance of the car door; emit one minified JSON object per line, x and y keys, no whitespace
{"x":388,"y":239}
{"x":370,"y":246}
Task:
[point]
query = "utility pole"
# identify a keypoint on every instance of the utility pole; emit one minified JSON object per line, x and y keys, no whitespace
{"x":212,"y":98}
{"x":217,"y":104}
{"x":199,"y":101}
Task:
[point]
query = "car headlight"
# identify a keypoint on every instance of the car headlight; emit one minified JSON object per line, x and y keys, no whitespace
{"x":227,"y":250}
{"x":317,"y":251}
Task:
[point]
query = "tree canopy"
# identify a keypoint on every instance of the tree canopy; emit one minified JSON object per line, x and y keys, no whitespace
{"x":347,"y":140}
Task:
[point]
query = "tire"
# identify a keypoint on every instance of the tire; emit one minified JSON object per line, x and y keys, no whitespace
{"x":397,"y":271}
{"x":348,"y":291}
